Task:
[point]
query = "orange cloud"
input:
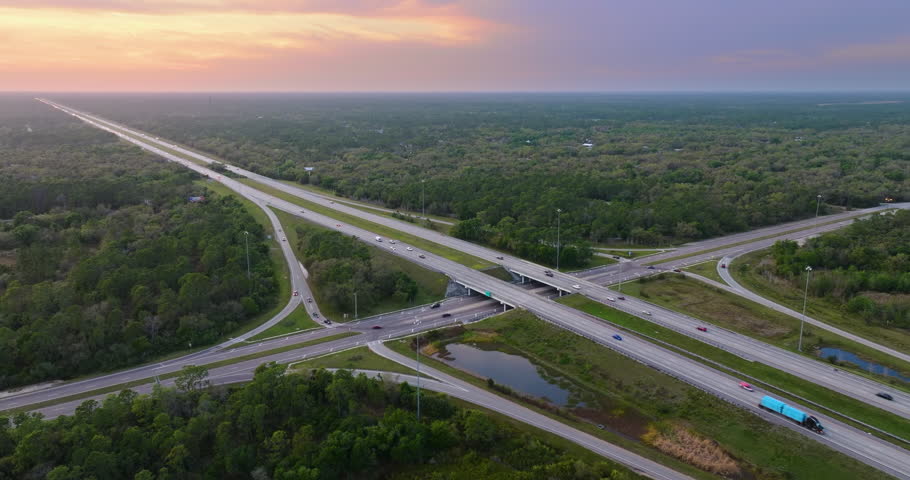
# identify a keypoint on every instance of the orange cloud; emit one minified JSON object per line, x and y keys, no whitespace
{"x":112,"y":35}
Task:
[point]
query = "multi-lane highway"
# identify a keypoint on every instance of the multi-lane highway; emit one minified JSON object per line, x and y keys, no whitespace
{"x":819,"y":372}
{"x":873,"y":451}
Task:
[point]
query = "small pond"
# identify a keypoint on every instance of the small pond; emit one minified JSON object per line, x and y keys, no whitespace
{"x":514,"y":371}
{"x":845,"y":356}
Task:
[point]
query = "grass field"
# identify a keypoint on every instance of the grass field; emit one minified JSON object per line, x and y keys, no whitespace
{"x":632,"y":397}
{"x":706,"y":269}
{"x":431,"y":285}
{"x":635,"y":253}
{"x":360,"y":358}
{"x":823,"y":309}
{"x":766,"y":375}
{"x":736,"y":313}
{"x":382,"y":230}
{"x":297,"y":321}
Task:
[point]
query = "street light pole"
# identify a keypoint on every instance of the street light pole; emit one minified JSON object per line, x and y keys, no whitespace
{"x":423,"y":198}
{"x":805,"y":299}
{"x":246,"y":236}
{"x":818,"y":203}
{"x":355,"y":305}
{"x":418,"y":378}
{"x":558,"y":215}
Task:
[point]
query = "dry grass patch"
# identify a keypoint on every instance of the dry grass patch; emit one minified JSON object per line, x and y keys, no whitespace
{"x":693,"y":449}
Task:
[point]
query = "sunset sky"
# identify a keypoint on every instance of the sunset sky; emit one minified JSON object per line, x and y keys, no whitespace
{"x":440,"y":45}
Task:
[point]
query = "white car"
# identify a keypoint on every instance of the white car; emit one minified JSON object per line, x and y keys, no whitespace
{"x":393,"y":242}
{"x":283,"y":239}
{"x":410,"y":249}
{"x":646,"y":312}
{"x":576,"y":287}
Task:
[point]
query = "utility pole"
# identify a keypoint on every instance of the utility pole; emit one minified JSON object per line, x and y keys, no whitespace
{"x":355,"y":305}
{"x":423,"y":198}
{"x":621,"y":265}
{"x":246,"y":236}
{"x":558,"y":214}
{"x":805,"y":300}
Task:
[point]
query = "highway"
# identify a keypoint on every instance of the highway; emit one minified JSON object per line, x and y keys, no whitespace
{"x":860,"y":445}
{"x":855,"y":386}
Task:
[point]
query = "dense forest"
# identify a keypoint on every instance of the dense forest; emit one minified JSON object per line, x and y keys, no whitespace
{"x":865,"y":266}
{"x":103,"y":261}
{"x":283,"y":427}
{"x":643,"y":169}
{"x":341,"y":265}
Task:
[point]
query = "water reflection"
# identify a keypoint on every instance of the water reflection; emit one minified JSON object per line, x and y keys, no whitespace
{"x":845,"y":356}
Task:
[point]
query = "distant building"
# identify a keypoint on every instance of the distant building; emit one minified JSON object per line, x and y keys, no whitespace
{"x":309,"y":169}
{"x":198,"y":199}
{"x":588,"y":145}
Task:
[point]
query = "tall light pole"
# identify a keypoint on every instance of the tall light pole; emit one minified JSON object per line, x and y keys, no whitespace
{"x":355,"y":305}
{"x":558,"y":215}
{"x":246,"y":237}
{"x":805,"y":299}
{"x":418,"y":378}
{"x":423,"y":198}
{"x":818,"y":203}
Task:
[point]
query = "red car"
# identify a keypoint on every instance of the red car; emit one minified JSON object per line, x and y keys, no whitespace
{"x":701,"y":329}
{"x":745,"y":386}
{"x":677,"y":270}
{"x":723,"y":265}
{"x":376,"y":327}
{"x":295,"y":293}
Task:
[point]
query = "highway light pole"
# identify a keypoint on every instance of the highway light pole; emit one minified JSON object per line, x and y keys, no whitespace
{"x":558,"y":214}
{"x":246,"y":237}
{"x":818,"y":203}
{"x":355,"y":305}
{"x":423,"y":198}
{"x":805,"y":299}
{"x":418,"y":378}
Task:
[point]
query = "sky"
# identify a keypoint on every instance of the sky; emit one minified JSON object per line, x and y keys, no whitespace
{"x":454,"y":45}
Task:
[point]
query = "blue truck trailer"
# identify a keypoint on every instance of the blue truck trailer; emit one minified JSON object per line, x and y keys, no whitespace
{"x":798,"y":416}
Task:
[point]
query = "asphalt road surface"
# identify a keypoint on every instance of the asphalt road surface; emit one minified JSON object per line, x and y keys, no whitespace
{"x":860,"y":445}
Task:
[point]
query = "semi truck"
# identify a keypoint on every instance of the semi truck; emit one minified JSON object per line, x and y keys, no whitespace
{"x":802,"y":418}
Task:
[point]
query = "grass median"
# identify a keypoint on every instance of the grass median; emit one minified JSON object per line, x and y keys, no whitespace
{"x":706,"y":269}
{"x":694,"y":298}
{"x":360,"y":358}
{"x":767,"y":376}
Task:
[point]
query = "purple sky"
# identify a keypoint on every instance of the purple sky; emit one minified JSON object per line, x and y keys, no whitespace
{"x":439,"y":45}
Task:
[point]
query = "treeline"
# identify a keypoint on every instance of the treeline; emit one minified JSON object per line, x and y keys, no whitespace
{"x":283,"y":427}
{"x":110,"y":265}
{"x":341,"y":265}
{"x":660,"y":169}
{"x":866,"y":266}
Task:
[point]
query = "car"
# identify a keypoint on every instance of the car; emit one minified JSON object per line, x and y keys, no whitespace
{"x":303,"y":211}
{"x":377,"y":327}
{"x":611,"y":299}
{"x":410,"y":249}
{"x":446,"y":315}
{"x":393,"y":242}
{"x":621,"y":297}
{"x":421,"y":256}
{"x":646,"y":312}
{"x":435,"y":305}
{"x":315,"y":314}
{"x":702,"y":329}
{"x":617,"y":337}
{"x":338,"y":225}
{"x":327,"y":321}
{"x":309,"y":300}
{"x":616,"y":257}
{"x":650,"y":267}
{"x":745,"y":386}
{"x":600,"y":426}
{"x":498,"y":258}
{"x":884,"y":395}
{"x":576,"y":287}
{"x":677,"y":270}
{"x":296,"y":293}
{"x":332,"y":202}
{"x":391,"y":248}
{"x":723,"y":265}
{"x":548,"y":273}
{"x":284,"y":239}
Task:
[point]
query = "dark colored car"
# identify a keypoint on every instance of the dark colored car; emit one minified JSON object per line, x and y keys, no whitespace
{"x":315,"y":315}
{"x":377,"y":327}
{"x":498,"y":258}
{"x":650,"y":267}
{"x":446,"y":315}
{"x":677,"y":270}
{"x":617,"y":337}
{"x":885,"y":396}
{"x":435,"y":305}
{"x":621,"y":297}
{"x":723,"y":265}
{"x":548,"y":273}
{"x":701,"y":329}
